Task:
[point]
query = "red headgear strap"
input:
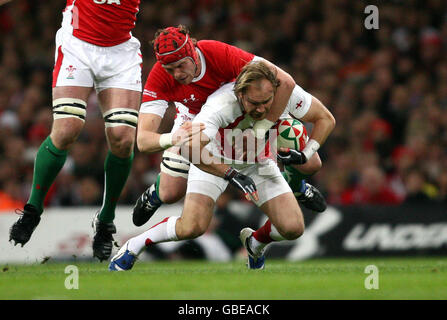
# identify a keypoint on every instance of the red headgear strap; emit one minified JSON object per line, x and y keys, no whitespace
{"x":172,"y":45}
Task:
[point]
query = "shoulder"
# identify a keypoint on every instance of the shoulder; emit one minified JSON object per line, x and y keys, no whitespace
{"x":218,"y":48}
{"x":211,"y":45}
{"x":223,"y":104}
{"x":159,"y":77}
{"x":225,"y":56}
{"x":222,"y":97}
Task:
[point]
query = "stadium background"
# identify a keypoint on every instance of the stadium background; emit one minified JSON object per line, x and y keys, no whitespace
{"x":387,"y":89}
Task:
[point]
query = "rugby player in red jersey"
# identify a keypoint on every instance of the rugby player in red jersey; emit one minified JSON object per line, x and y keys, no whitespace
{"x":94,"y":49}
{"x":187,"y":71}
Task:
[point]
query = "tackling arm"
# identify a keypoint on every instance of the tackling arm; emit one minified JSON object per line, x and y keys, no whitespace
{"x":282,"y":96}
{"x":150,"y":138}
{"x":203,"y":159}
{"x":323,"y":124}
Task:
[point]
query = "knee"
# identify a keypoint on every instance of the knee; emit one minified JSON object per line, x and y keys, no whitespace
{"x":121,"y":140}
{"x":171,"y":189}
{"x":192,"y":230}
{"x":171,"y":195}
{"x":65,"y":133}
{"x":292,"y":231}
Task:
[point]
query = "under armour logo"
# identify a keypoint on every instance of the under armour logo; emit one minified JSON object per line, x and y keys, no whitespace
{"x":299,"y":105}
{"x":191,"y":98}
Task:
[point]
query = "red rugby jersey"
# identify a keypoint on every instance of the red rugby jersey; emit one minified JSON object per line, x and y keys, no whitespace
{"x":102,"y":22}
{"x":222,"y":64}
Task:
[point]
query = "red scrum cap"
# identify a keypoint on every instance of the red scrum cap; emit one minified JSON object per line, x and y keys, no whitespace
{"x":174,"y":44}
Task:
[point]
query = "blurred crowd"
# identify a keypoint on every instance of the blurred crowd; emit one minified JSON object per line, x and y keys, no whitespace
{"x":386,"y":87}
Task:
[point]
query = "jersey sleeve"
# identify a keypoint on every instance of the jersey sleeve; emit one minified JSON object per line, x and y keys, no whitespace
{"x":228,"y":59}
{"x":218,"y":111}
{"x":154,"y":99}
{"x":211,"y":119}
{"x":157,"y":85}
{"x":299,"y":102}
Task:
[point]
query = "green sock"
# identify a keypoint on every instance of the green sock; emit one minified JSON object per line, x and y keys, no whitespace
{"x":49,"y":161}
{"x":157,"y":188}
{"x":116,"y":172}
{"x":295,"y":179}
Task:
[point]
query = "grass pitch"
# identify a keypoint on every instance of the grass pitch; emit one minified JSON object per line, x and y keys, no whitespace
{"x":333,"y":279}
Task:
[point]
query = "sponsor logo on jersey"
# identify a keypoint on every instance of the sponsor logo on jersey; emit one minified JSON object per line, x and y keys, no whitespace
{"x":191,"y":98}
{"x":150,"y":93}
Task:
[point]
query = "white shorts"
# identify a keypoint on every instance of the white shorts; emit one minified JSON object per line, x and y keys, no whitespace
{"x":82,"y":64}
{"x":268,"y":179}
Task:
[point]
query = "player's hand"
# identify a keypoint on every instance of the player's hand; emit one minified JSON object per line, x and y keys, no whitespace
{"x":290,"y":156}
{"x":243,"y":183}
{"x":186,"y":132}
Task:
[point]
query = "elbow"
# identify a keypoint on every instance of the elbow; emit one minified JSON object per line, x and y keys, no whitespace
{"x":332,"y":121}
{"x":143,"y":144}
{"x":140,"y":145}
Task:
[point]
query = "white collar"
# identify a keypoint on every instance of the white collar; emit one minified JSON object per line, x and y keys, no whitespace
{"x":203,"y":63}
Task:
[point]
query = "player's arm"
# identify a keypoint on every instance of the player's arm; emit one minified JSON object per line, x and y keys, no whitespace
{"x":282,"y":96}
{"x":235,"y":59}
{"x":149,"y":138}
{"x":322,"y":119}
{"x":323,"y":123}
{"x":203,"y":159}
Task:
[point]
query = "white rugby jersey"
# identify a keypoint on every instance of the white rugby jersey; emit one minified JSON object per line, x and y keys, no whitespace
{"x":222,"y":115}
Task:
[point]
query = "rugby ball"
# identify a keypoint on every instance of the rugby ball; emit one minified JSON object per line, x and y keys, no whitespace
{"x":291,"y":134}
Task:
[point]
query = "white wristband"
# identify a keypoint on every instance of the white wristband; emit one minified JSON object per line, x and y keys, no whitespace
{"x":311,"y":147}
{"x":165,"y":140}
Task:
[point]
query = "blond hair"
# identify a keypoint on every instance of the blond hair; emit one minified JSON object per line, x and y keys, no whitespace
{"x":252,"y":72}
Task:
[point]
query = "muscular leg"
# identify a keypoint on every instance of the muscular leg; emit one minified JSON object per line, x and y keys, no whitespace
{"x":119,"y":108}
{"x":170,"y":187}
{"x":289,"y":223}
{"x":53,"y":152}
{"x":120,"y":133}
{"x":281,"y":225}
{"x":194,"y":222}
{"x":69,"y":114}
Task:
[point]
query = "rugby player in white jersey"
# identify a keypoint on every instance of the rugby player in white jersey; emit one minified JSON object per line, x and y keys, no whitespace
{"x":237,"y":106}
{"x":187,"y":71}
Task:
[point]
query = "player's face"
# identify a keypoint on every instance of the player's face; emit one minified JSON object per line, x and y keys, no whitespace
{"x":258,"y":99}
{"x":183,"y":70}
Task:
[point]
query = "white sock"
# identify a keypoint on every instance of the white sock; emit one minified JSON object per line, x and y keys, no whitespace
{"x":258,"y":247}
{"x":161,"y":232}
{"x":275,"y":235}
